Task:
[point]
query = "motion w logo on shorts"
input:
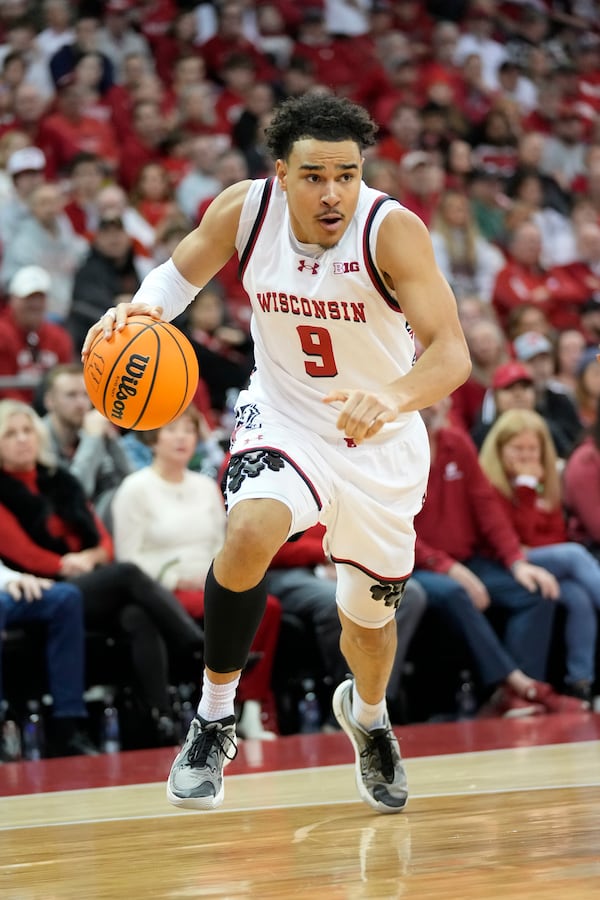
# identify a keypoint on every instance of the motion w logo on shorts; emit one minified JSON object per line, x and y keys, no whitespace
{"x":314,"y":267}
{"x":390,"y":592}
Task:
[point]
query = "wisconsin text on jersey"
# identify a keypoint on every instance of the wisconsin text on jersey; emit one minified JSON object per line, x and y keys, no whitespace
{"x":280,"y":302}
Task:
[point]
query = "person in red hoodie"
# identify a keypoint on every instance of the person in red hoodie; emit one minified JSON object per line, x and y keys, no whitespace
{"x":468,"y":558}
{"x":48,"y":529}
{"x":518,"y":457}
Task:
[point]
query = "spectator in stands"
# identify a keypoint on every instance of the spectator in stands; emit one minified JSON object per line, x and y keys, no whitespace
{"x":581,"y":489}
{"x":47,"y":238}
{"x":563,"y":156}
{"x":404,"y":132}
{"x":29,"y":107}
{"x":57,"y":31}
{"x":584,"y":266}
{"x":477,"y":38}
{"x":170,"y":521}
{"x":528,"y":317}
{"x":488,"y":348}
{"x":30,"y":345}
{"x":568,"y":349}
{"x":421,"y":184}
{"x":304,"y":582}
{"x":25,"y":599}
{"x":179,"y":43}
{"x":117,"y":39}
{"x":48,"y":528}
{"x":230,"y":39}
{"x":152,"y":194}
{"x":468,"y":559}
{"x":524,"y":279}
{"x":21,"y":38}
{"x":469,"y":262}
{"x":143,"y":143}
{"x":552,"y":401}
{"x":518,"y":457}
{"x":26,"y":167}
{"x":86,"y":34}
{"x":587,"y":387}
{"x":590,"y":320}
{"x":556,"y":230}
{"x":83,"y":440}
{"x":113,"y":203}
{"x":86,"y":174}
{"x":201,"y":181}
{"x":109,"y":274}
{"x":249,"y":131}
{"x":70,"y":128}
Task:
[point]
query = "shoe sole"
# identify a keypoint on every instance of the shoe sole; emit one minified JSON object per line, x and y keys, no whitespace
{"x":345,"y":726}
{"x":196,"y":802}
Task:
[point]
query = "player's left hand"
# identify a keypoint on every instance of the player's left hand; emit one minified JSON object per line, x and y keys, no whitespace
{"x":363,"y":413}
{"x":115,"y":318}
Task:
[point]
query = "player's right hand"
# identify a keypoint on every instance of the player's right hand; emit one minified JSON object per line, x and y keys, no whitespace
{"x":115,"y":318}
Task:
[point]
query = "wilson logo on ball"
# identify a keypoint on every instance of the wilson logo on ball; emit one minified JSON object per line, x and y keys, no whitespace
{"x":127,"y":387}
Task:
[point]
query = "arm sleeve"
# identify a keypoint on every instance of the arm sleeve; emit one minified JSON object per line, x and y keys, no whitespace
{"x":166,"y":287}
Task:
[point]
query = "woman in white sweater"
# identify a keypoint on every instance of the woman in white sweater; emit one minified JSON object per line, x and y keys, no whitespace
{"x":171,"y":522}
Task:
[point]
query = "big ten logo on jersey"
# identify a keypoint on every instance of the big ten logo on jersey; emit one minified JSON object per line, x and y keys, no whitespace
{"x":342,"y":268}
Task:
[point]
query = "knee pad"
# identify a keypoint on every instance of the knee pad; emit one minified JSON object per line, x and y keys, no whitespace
{"x":366,"y":600}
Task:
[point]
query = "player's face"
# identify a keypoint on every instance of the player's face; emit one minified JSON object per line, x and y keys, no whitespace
{"x":322,"y":180}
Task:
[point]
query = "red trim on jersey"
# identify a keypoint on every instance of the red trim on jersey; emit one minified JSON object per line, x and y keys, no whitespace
{"x":288,"y":459}
{"x":374,"y":275}
{"x":258,"y":224}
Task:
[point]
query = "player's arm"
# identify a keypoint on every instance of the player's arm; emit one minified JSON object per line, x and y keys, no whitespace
{"x":405,"y":255}
{"x":169,"y":288}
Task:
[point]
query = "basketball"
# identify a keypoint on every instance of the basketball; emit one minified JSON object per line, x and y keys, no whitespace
{"x":144,"y":376}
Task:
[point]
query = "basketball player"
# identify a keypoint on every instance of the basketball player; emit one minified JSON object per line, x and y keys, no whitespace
{"x":340,"y":278}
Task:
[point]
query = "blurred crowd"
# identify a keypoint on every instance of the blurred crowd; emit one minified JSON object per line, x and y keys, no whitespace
{"x":120,"y":121}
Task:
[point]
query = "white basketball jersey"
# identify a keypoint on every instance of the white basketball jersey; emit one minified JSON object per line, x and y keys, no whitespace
{"x":322,"y":319}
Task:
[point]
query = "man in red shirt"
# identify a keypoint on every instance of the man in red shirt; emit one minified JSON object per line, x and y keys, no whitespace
{"x":524,"y":280}
{"x":29,"y":345}
{"x":468,"y":559}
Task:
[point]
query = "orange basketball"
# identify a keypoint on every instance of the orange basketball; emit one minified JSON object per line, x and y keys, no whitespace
{"x":144,"y":376}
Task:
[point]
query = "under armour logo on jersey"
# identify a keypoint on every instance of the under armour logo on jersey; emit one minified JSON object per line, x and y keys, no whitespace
{"x":314,"y":267}
{"x":350,"y":442}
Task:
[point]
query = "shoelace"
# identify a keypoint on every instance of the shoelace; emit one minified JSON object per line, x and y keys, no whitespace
{"x":204,"y":742}
{"x":378,"y":754}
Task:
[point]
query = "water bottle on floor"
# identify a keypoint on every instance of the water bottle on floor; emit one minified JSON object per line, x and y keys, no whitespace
{"x":33,"y":732}
{"x":10,"y":736}
{"x":309,"y":711}
{"x":111,"y":732}
{"x":466,"y":699}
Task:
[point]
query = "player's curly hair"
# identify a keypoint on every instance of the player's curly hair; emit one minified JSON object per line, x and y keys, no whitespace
{"x":321,"y":116}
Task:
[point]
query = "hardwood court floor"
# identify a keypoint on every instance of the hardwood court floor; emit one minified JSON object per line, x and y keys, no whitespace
{"x":498,"y":810}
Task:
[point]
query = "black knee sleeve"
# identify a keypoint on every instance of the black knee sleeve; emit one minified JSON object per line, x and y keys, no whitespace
{"x":231,"y":619}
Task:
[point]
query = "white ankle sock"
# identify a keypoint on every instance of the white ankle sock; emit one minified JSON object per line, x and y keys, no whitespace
{"x":217,"y":700}
{"x":368,"y":715}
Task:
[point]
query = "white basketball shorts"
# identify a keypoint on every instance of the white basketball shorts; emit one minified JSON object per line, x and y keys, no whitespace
{"x":366,"y":496}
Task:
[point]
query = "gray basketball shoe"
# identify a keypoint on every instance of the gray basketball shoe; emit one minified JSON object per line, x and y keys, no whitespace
{"x":380,"y":775}
{"x":196,"y":777}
